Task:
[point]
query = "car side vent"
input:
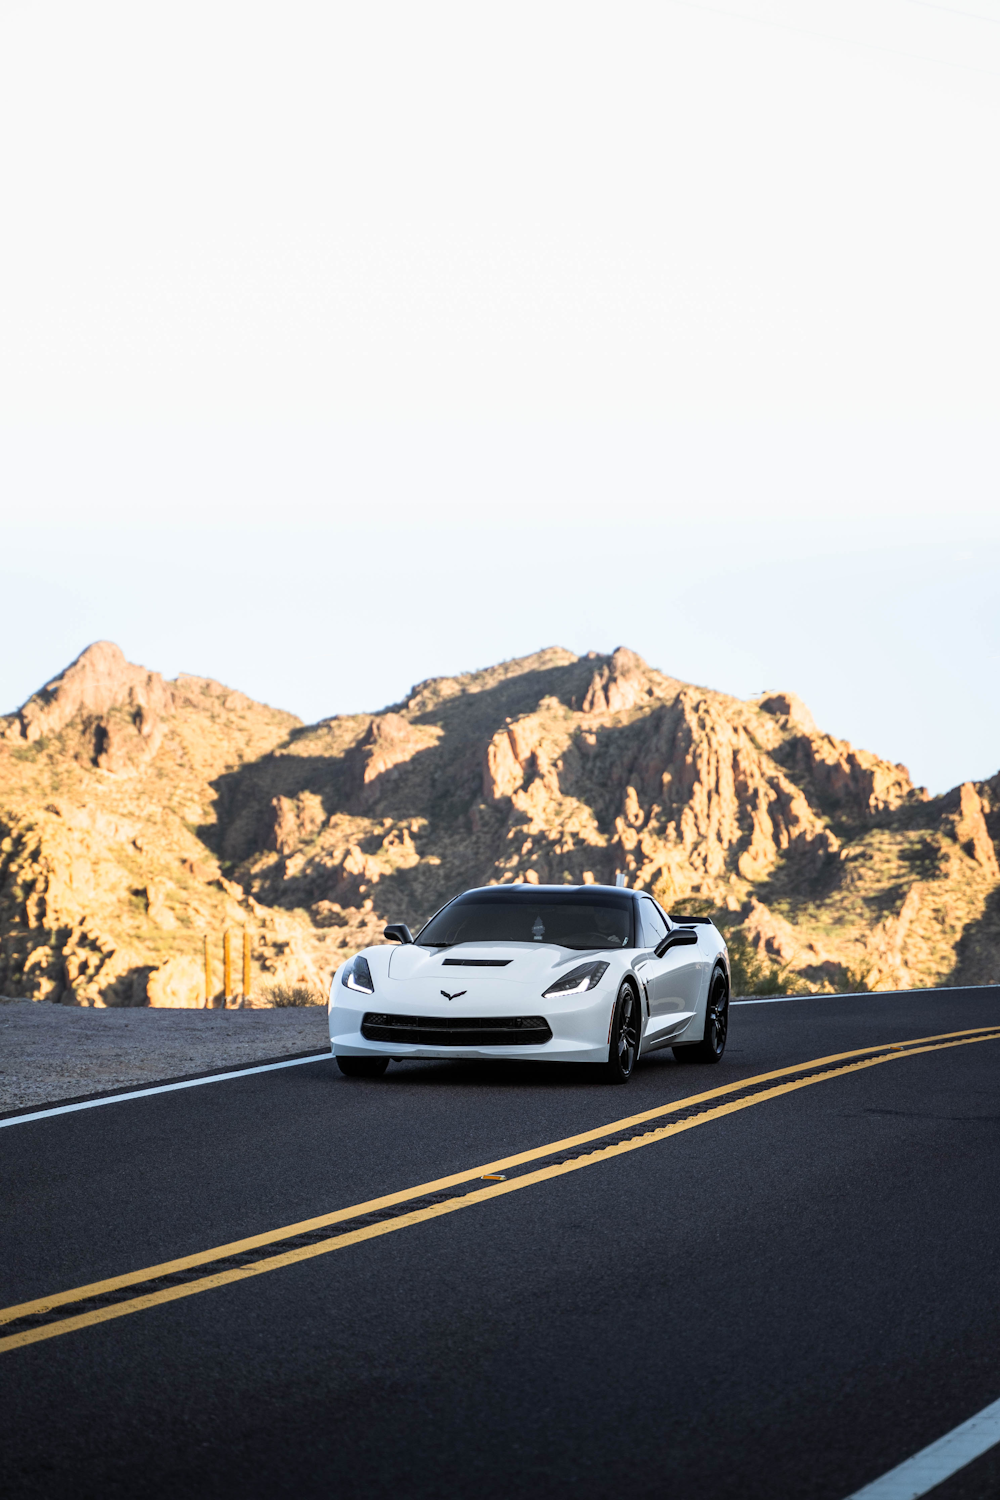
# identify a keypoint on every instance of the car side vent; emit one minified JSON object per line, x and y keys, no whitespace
{"x":476,"y":963}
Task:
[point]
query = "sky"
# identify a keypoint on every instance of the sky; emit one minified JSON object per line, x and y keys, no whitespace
{"x":346,"y":346}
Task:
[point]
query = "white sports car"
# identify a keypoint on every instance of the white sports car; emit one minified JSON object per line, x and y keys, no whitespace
{"x":569,"y":973}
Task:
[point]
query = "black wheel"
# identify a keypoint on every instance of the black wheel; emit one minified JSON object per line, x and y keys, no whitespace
{"x":362,"y":1067}
{"x":713,"y":1043}
{"x":625,"y":1029}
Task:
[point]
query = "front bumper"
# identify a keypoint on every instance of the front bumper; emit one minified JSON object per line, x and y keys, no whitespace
{"x":579,"y":1026}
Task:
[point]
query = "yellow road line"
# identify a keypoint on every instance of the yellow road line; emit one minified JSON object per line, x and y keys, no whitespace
{"x":253,"y":1242}
{"x":863,"y":1058}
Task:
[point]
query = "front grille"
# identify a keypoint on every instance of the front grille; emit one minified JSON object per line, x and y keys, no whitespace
{"x":457,"y":1031}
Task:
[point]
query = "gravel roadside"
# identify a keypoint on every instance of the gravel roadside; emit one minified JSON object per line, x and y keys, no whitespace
{"x":54,"y":1052}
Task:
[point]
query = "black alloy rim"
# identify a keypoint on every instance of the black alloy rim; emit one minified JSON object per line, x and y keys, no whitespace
{"x":628,"y":1034}
{"x":719,"y":1016}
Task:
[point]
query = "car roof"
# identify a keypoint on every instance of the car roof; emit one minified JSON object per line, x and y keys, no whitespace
{"x":524,"y":885}
{"x":562,"y":885}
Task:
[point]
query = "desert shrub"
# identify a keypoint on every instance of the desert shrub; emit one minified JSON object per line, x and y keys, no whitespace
{"x":753,"y":973}
{"x":282,"y":995}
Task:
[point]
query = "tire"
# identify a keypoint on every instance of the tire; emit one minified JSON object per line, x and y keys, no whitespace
{"x":626,"y":1030}
{"x":362,"y":1067}
{"x":713,"y":1043}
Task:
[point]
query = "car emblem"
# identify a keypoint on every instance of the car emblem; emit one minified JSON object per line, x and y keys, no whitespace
{"x":456,"y":996}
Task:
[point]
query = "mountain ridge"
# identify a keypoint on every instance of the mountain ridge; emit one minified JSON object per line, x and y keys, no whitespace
{"x":136,"y":815}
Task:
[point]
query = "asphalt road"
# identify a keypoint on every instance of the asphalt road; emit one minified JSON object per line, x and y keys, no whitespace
{"x":786,"y":1300}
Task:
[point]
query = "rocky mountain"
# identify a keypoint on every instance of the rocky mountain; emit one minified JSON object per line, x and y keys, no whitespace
{"x":137,"y":816}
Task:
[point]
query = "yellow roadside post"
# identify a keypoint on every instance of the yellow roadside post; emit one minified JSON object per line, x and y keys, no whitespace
{"x":208,"y":975}
{"x":246,"y":966}
{"x":227,"y":966}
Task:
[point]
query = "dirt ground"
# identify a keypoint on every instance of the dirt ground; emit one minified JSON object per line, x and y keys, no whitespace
{"x":54,"y":1052}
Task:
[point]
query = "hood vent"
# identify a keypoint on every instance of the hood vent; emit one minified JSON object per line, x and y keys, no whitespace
{"x":476,"y":963}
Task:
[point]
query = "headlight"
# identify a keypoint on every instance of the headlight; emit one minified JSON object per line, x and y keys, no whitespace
{"x":358,"y":976}
{"x":583,"y":977}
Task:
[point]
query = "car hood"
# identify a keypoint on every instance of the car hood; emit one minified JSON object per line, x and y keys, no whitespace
{"x":457,"y":967}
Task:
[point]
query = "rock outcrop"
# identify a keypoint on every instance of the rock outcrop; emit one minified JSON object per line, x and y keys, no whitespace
{"x":116,"y":710}
{"x":137,"y":816}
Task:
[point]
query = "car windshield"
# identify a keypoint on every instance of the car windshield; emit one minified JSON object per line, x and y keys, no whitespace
{"x":576,"y":919}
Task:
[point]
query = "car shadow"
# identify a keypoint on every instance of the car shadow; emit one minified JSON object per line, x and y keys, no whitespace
{"x":437,"y":1073}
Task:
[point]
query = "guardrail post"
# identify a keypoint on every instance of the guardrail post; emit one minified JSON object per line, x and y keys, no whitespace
{"x":208,"y":975}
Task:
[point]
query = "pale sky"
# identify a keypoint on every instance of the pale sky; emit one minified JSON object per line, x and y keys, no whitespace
{"x":343,"y":346}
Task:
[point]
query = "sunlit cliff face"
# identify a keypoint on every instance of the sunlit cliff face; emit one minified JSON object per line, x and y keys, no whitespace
{"x":140,"y":815}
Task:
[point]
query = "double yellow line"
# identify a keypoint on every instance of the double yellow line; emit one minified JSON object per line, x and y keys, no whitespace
{"x":30,"y":1322}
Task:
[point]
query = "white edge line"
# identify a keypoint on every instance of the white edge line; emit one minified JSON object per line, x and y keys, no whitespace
{"x":193,"y":1083}
{"x":943,"y":989}
{"x":927,"y":1469}
{"x":787,"y":999}
{"x":162,"y":1088}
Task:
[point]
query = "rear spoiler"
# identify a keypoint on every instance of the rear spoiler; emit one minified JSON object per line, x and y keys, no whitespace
{"x":690,"y":921}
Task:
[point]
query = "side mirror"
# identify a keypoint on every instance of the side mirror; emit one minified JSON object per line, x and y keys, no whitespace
{"x":681,"y":937}
{"x":398,"y":932}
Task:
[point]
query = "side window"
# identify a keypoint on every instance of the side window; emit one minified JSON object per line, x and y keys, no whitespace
{"x":653,"y":926}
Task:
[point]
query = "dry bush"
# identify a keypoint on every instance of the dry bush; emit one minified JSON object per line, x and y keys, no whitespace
{"x":752,"y":973}
{"x":282,"y":995}
{"x":755,"y":973}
